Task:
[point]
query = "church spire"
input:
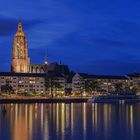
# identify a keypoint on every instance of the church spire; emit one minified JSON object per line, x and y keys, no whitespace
{"x":20,"y":26}
{"x":20,"y":58}
{"x":46,"y":60}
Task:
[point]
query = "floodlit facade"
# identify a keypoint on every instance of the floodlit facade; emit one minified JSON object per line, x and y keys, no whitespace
{"x":24,"y":82}
{"x":104,"y":83}
{"x":20,"y":58}
{"x":78,"y":83}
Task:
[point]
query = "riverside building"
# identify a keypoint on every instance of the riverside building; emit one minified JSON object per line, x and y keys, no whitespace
{"x":101,"y":83}
{"x":24,"y":82}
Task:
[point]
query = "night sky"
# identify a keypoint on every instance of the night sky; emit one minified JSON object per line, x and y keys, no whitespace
{"x":93,"y":36}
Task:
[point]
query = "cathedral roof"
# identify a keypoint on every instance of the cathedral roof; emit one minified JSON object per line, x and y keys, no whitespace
{"x":54,"y":74}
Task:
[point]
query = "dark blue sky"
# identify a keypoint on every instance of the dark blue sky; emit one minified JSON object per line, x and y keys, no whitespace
{"x":94,"y":36}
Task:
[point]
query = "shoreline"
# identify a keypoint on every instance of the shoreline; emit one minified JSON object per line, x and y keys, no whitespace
{"x":42,"y":100}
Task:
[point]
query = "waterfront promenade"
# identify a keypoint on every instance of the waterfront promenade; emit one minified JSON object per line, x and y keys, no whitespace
{"x":40,"y":99}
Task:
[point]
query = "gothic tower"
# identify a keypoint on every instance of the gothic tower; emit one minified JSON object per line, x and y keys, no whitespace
{"x":20,"y":58}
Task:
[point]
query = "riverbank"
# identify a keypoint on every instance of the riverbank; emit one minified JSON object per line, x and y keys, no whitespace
{"x":43,"y":100}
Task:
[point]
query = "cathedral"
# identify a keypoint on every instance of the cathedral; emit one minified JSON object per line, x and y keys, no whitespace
{"x":21,"y":60}
{"x":20,"y":57}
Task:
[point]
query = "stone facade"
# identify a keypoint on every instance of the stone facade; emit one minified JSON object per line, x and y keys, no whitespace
{"x":38,"y":68}
{"x":20,"y":58}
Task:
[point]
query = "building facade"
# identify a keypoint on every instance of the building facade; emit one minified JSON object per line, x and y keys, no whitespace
{"x":20,"y":58}
{"x":78,"y":83}
{"x":23,"y":82}
{"x":134,"y":79}
{"x":101,"y":83}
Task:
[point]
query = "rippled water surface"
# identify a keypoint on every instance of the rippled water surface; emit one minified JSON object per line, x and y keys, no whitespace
{"x":73,"y":121}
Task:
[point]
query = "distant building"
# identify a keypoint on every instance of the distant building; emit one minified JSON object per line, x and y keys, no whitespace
{"x":78,"y":83}
{"x":134,"y":79}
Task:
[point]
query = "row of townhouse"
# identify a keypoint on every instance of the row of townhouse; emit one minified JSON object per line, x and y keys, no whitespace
{"x":33,"y":83}
{"x":56,"y":84}
{"x":23,"y":82}
{"x":101,"y":83}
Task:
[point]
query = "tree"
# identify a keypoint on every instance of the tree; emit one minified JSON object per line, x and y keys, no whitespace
{"x":52,"y":84}
{"x":118,"y":87}
{"x":56,"y":85}
{"x":7,"y":88}
{"x":91,"y":86}
{"x":48,"y":85}
{"x":135,"y":89}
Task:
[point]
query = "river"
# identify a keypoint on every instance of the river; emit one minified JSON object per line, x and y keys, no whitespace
{"x":75,"y":121}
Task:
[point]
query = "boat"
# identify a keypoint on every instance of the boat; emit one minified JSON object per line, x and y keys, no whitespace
{"x":4,"y":109}
{"x":116,"y":97}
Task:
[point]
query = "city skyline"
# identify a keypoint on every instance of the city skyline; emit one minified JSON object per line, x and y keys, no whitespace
{"x":92,"y":37}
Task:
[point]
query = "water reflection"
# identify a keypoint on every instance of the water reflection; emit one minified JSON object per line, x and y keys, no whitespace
{"x":70,"y":122}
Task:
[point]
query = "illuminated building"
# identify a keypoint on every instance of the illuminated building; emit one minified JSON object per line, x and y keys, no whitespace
{"x":78,"y":83}
{"x":24,"y":82}
{"x":20,"y":58}
{"x":21,"y":61}
{"x":134,"y":79}
{"x":105,"y":83}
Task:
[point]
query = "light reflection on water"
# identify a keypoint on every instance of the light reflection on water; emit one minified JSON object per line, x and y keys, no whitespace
{"x":61,"y":121}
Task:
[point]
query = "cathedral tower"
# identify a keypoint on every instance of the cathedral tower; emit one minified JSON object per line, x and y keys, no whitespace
{"x":20,"y":58}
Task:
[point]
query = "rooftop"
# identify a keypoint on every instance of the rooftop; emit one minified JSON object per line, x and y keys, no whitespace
{"x":84,"y":75}
{"x":22,"y":74}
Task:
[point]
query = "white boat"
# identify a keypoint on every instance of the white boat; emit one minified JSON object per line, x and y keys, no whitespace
{"x":115,"y":98}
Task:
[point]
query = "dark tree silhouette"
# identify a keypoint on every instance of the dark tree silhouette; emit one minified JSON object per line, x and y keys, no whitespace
{"x":7,"y":88}
{"x":91,"y":86}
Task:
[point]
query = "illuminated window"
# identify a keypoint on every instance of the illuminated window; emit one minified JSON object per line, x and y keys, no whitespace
{"x":20,"y":82}
{"x":32,"y":82}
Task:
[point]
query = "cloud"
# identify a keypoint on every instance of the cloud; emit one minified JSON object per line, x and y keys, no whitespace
{"x":76,"y":32}
{"x":9,"y":25}
{"x":106,"y":42}
{"x":108,"y":67}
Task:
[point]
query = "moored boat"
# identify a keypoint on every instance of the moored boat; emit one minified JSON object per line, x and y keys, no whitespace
{"x":116,"y":98}
{"x":4,"y":109}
